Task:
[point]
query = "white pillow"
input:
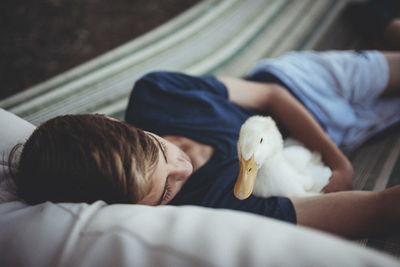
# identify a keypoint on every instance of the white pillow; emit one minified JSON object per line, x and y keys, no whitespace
{"x":13,"y":130}
{"x":133,"y":235}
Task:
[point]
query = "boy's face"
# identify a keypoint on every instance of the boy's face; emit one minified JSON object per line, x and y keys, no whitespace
{"x":169,"y":174}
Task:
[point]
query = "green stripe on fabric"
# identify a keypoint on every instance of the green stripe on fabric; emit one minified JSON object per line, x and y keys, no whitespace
{"x":249,"y":41}
{"x":136,"y":50}
{"x":395,"y":176}
{"x":111,"y":75}
{"x":379,"y":164}
{"x":159,"y":37}
{"x":119,"y":115}
{"x":317,"y":26}
{"x":322,"y":18}
{"x":369,"y":159}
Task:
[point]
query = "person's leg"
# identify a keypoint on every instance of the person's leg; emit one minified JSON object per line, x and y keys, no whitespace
{"x":393,"y":86}
{"x":391,"y":33}
{"x":377,"y":21}
{"x":351,"y":214}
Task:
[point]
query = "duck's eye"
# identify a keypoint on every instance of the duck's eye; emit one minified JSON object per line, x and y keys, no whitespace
{"x":261,"y":140}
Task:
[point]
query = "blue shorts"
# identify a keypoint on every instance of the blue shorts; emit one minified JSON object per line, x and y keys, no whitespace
{"x":341,"y":89}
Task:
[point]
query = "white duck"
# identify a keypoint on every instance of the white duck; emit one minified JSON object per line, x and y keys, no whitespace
{"x":267,"y":168}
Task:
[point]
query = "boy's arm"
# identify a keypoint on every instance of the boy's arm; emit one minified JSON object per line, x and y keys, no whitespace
{"x":286,"y":109}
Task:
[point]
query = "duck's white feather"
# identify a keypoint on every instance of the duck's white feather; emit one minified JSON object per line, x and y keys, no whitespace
{"x":309,"y":164}
{"x":278,"y":178}
{"x":290,"y":170}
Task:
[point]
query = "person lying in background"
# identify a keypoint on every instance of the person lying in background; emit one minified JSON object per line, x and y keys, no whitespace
{"x":378,"y":21}
{"x":178,"y":143}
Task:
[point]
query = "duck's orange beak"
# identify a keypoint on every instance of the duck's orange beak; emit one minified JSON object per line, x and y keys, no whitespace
{"x":247,"y":176}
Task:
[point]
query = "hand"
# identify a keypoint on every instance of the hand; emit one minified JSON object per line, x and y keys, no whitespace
{"x":341,"y":180}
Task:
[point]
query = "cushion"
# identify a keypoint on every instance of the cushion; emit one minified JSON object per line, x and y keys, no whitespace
{"x":14,"y":130}
{"x":98,"y":234}
{"x":133,"y":235}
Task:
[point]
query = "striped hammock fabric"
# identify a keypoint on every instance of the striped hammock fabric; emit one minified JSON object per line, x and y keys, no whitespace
{"x":377,"y":166}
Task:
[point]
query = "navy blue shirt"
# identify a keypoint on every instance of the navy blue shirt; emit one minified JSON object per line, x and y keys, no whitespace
{"x":198,"y":108}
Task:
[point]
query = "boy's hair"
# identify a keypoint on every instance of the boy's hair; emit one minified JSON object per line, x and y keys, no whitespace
{"x":84,"y":158}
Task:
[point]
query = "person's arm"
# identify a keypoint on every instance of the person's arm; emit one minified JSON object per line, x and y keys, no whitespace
{"x":300,"y":123}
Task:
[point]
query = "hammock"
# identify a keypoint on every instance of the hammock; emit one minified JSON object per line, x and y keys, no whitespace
{"x":219,"y":37}
{"x":215,"y":37}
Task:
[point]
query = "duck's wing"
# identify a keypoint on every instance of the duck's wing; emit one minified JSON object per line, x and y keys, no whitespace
{"x":309,"y":164}
{"x":297,"y":156}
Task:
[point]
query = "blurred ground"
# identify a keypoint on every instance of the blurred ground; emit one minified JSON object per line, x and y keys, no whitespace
{"x":42,"y":38}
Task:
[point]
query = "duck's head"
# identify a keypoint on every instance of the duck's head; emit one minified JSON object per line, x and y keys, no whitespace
{"x":259,"y":139}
